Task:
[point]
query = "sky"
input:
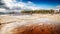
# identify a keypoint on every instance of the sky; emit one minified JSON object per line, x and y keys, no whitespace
{"x":31,"y":4}
{"x":44,"y":3}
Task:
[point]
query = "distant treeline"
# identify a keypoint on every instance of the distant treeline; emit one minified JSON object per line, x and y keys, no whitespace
{"x":32,"y":12}
{"x":39,"y":11}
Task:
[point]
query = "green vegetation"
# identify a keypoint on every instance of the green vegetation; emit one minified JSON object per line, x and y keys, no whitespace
{"x":38,"y":11}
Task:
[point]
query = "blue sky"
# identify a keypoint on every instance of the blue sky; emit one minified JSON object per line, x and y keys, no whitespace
{"x":44,"y":3}
{"x":31,"y":4}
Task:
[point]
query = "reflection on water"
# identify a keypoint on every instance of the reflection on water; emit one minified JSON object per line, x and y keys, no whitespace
{"x":30,"y":24}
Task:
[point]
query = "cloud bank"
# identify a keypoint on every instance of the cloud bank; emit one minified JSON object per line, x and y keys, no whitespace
{"x":13,"y":4}
{"x":58,"y":6}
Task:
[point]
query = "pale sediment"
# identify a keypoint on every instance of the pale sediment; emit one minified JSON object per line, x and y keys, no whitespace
{"x":26,"y":22}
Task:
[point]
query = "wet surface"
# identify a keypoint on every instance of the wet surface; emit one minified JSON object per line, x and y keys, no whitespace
{"x":31,"y":25}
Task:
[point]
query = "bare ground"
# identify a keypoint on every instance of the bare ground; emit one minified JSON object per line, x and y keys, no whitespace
{"x":30,"y":24}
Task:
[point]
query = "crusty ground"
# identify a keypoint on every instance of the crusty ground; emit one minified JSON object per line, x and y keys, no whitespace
{"x":37,"y":29}
{"x":45,"y":28}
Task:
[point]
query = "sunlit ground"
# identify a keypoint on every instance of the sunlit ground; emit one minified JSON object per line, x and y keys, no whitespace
{"x":30,"y":24}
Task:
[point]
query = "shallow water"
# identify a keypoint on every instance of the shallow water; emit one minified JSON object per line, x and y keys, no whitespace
{"x":29,"y":20}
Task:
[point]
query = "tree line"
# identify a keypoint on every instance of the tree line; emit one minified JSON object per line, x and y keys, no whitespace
{"x":38,"y":11}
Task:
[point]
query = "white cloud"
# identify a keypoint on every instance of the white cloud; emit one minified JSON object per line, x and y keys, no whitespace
{"x":9,"y":3}
{"x":13,"y":3}
{"x":58,"y":6}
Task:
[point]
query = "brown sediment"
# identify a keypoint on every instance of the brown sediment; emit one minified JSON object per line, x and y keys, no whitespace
{"x":37,"y":29}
